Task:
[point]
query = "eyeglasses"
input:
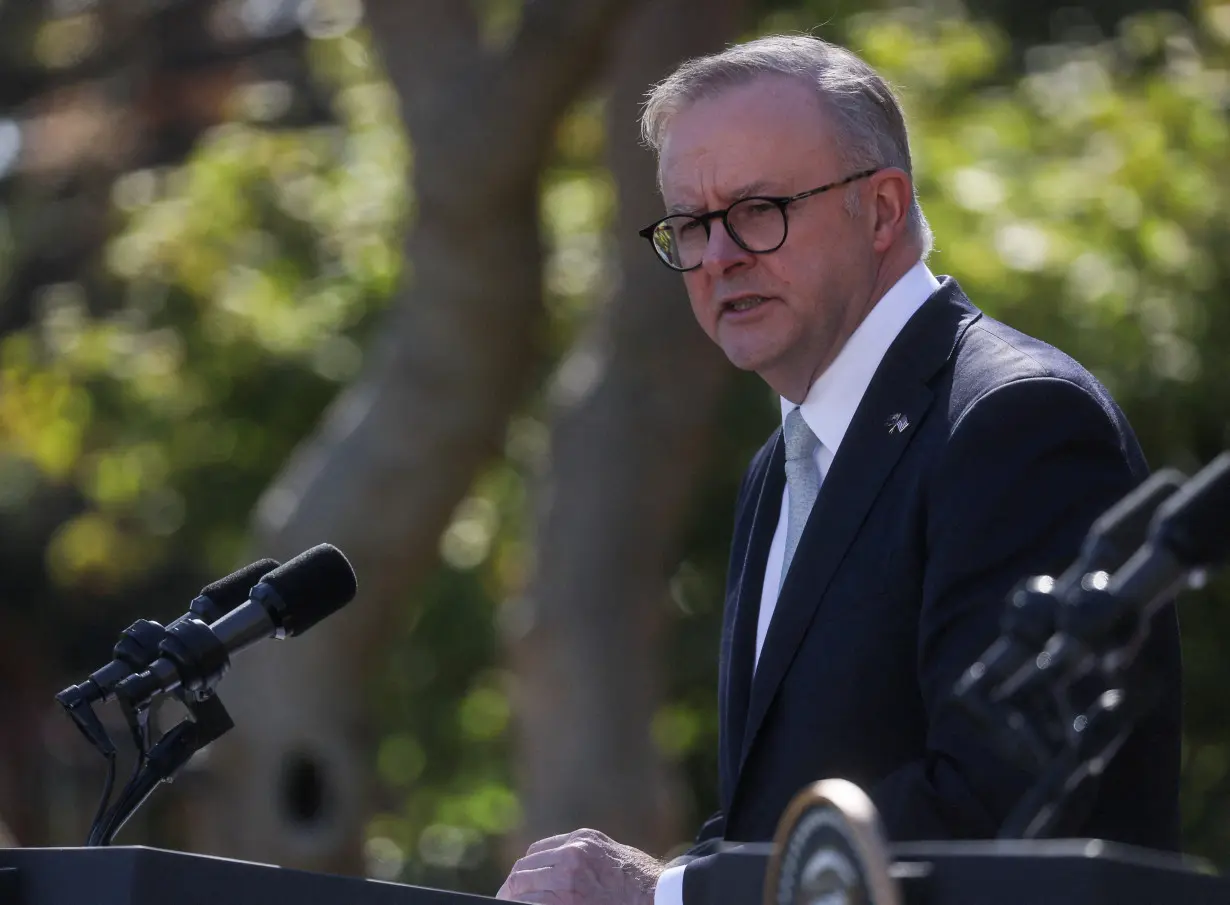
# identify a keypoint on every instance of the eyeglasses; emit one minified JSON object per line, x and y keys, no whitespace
{"x":758,"y":224}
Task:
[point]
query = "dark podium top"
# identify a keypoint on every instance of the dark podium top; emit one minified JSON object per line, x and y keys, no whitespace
{"x":1056,"y":872}
{"x":1012,"y":872}
{"x":134,"y":875}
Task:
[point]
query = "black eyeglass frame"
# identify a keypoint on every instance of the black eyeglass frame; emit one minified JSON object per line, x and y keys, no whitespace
{"x":781,"y":201}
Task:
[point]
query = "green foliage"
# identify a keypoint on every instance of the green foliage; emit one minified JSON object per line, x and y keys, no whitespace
{"x":243,"y":283}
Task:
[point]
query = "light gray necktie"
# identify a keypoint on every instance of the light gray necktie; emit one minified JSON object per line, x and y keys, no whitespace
{"x":802,"y":478}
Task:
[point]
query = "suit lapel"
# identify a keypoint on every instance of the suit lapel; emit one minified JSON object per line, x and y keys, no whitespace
{"x":886,"y":421}
{"x":741,"y":638}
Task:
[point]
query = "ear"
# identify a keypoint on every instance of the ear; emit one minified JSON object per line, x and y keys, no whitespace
{"x":892,"y":193}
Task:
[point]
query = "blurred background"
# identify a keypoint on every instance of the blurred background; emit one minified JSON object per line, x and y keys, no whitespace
{"x":282,"y":272}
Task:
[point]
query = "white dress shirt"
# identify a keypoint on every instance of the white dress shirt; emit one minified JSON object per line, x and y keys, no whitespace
{"x":828,"y":410}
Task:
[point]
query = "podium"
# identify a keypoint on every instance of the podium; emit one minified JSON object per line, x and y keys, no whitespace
{"x":1053,"y":872}
{"x":134,"y":875}
{"x":1056,"y":872}
{"x":830,"y":848}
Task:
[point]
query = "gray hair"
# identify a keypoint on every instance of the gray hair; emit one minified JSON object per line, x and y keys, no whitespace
{"x":869,"y":125}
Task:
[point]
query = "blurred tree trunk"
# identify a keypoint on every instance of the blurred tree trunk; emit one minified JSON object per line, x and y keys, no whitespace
{"x":633,"y":407}
{"x":400,"y":447}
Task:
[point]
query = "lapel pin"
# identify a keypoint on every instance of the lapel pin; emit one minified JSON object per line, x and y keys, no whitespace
{"x":897,"y":422}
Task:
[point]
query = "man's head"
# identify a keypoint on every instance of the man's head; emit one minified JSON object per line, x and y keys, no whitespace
{"x":778,"y":117}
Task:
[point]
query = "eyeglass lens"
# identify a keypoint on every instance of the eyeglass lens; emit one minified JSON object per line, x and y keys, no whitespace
{"x":756,"y":224}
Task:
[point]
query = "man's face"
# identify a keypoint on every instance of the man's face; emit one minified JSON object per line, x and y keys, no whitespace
{"x":770,"y":137}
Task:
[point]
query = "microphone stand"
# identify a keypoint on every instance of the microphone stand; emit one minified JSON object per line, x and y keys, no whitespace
{"x":1029,"y":619}
{"x":208,"y":721}
{"x":1097,"y":736}
{"x":1102,"y":634}
{"x":137,"y":645}
{"x":85,"y":719}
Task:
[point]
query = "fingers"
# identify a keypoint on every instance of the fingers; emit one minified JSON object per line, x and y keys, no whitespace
{"x":564,"y":854}
{"x":550,"y":881}
{"x":583,"y":867}
{"x":561,"y":839}
{"x":553,"y":870}
{"x":548,"y":843}
{"x":549,"y":868}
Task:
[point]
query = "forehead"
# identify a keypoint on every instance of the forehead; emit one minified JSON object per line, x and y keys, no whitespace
{"x":768,"y":132}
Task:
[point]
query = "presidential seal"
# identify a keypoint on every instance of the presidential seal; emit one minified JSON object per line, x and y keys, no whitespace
{"x":829,"y":850}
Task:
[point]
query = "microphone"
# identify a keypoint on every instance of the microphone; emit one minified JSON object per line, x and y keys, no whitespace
{"x":1033,"y":614}
{"x":284,"y":603}
{"x":138,"y":644}
{"x":1084,"y":615}
{"x":999,"y":689}
{"x":1121,"y":529}
{"x":1190,"y":532}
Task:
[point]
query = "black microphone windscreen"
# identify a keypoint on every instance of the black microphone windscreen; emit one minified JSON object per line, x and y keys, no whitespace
{"x":1123,"y":527}
{"x":313,"y":585}
{"x":1194,"y":524}
{"x":232,"y":590}
{"x":219,"y":598}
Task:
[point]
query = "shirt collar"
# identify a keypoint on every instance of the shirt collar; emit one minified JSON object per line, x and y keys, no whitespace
{"x":835,"y":396}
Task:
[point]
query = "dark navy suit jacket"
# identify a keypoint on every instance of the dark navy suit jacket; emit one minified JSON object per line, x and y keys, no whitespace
{"x":898,"y":584}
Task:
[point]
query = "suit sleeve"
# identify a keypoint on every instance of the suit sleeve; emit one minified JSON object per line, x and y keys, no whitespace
{"x":1028,"y":467}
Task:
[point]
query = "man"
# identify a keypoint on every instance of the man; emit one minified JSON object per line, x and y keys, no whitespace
{"x":929,"y":458}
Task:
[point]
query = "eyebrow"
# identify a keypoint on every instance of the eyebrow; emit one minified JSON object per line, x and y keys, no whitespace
{"x":745,"y":191}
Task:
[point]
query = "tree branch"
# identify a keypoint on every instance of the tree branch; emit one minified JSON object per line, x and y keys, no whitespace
{"x":427,"y":44}
{"x":561,"y":44}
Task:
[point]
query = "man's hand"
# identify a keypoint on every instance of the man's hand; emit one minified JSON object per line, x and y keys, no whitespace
{"x":583,"y":867}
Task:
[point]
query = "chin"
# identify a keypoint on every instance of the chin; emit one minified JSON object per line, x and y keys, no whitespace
{"x":756,"y":360}
{"x":754,"y":347}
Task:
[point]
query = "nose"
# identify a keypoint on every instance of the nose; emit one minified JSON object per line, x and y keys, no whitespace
{"x":722,"y":252}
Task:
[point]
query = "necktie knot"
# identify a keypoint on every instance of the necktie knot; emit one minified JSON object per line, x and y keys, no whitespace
{"x":801,"y":443}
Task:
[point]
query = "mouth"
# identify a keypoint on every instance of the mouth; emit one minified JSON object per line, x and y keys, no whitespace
{"x":743,"y":304}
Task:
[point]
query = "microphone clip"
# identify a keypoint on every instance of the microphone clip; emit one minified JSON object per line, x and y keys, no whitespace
{"x":208,"y":720}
